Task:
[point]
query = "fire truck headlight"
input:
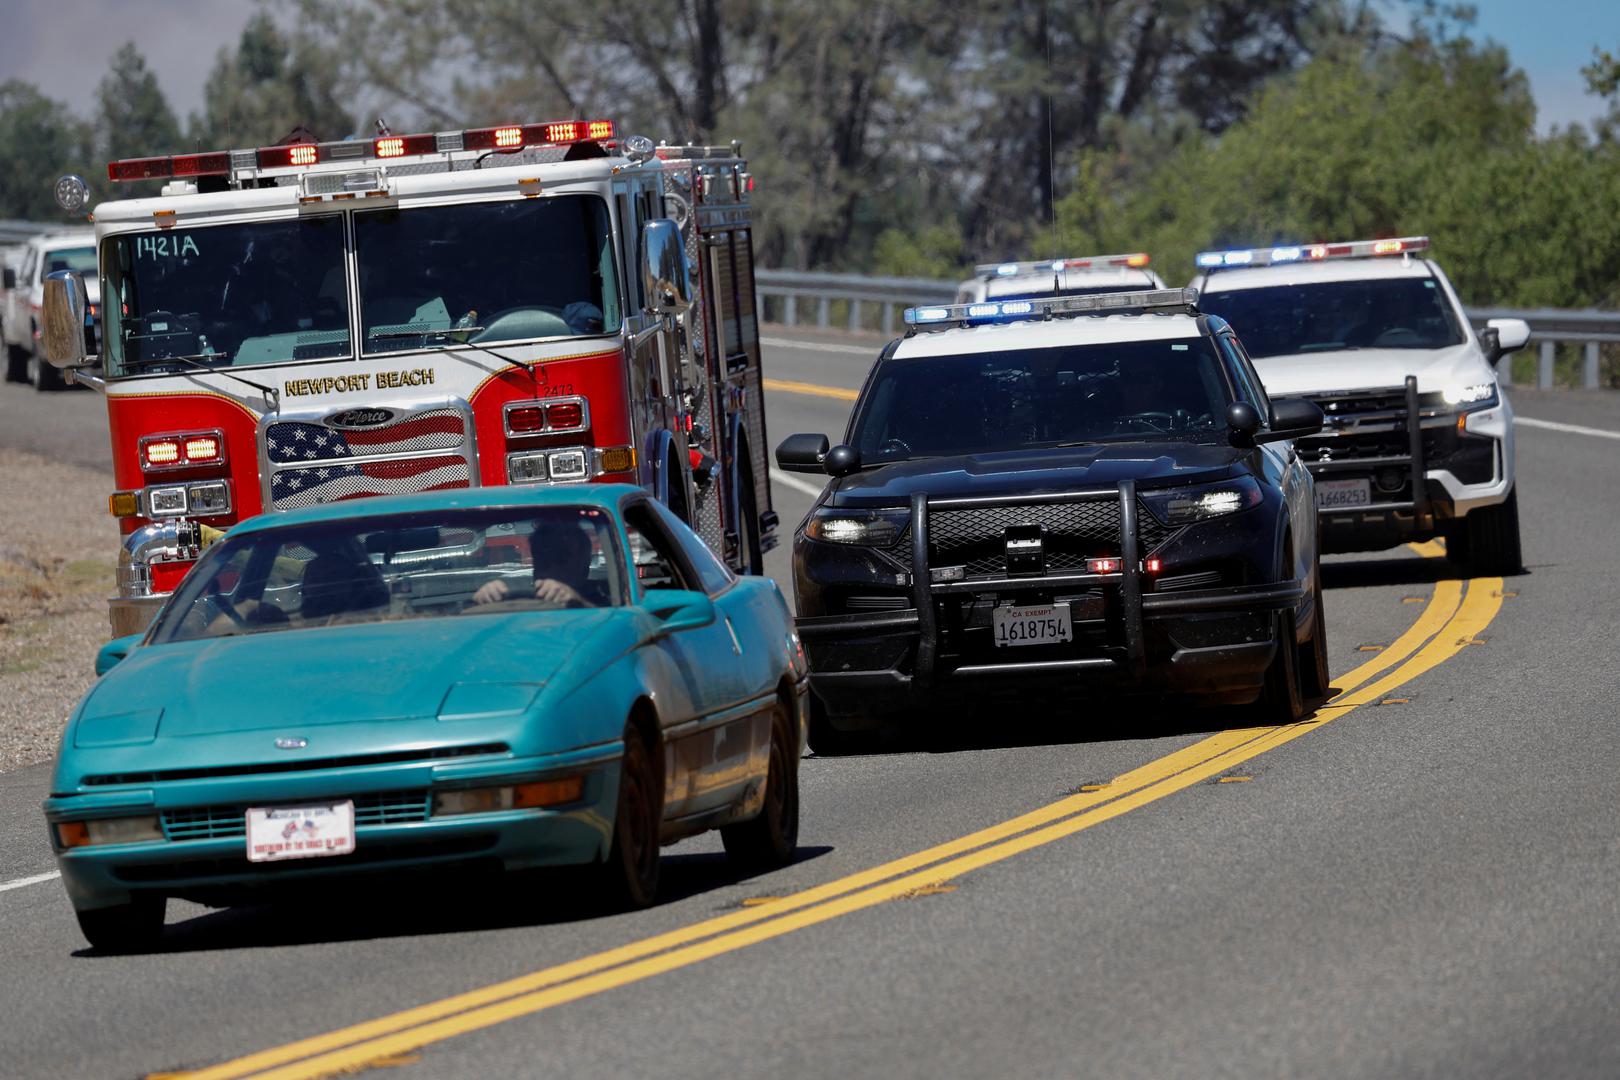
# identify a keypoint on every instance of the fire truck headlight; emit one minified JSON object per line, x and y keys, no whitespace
{"x":166,"y":501}
{"x":209,"y":499}
{"x":568,"y":465}
{"x":526,"y":468}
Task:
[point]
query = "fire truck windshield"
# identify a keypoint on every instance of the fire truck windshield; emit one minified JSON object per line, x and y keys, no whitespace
{"x":239,"y":295}
{"x":486,"y":272}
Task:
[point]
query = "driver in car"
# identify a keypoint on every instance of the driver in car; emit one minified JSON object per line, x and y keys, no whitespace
{"x":562,"y":568}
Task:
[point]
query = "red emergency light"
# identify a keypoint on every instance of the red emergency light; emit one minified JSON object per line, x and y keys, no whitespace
{"x":508,"y":138}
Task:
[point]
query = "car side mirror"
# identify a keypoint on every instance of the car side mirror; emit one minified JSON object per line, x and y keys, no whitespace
{"x":65,"y":309}
{"x":1292,"y":418}
{"x":1510,"y":335}
{"x":802,"y":453}
{"x":680,"y":609}
{"x":8,"y":278}
{"x":664,"y":277}
{"x":115,"y":650}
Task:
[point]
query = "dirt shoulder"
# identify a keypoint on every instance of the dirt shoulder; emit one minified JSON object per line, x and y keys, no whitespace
{"x":58,"y":549}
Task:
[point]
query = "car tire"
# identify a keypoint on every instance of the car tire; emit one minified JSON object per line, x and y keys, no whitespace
{"x":828,"y":739}
{"x":1492,"y":544}
{"x":16,"y":364}
{"x":1283,"y":700}
{"x":1315,"y":679}
{"x":629,"y":877}
{"x":770,"y":839}
{"x":124,"y":928}
{"x":42,"y":375}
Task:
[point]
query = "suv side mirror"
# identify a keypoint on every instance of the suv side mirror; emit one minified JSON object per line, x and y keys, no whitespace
{"x":1510,"y":335}
{"x":1292,"y":418}
{"x":1244,"y":420}
{"x":65,"y":309}
{"x":664,"y":277}
{"x":802,"y":453}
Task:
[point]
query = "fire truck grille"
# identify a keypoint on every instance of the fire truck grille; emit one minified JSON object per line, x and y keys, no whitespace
{"x":1073,"y":532}
{"x":297,"y":441}
{"x":293,"y":488}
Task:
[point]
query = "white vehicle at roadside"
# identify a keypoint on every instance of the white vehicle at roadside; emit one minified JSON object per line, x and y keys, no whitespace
{"x":24,"y":297}
{"x":1419,"y":436}
{"x":1083,"y":276}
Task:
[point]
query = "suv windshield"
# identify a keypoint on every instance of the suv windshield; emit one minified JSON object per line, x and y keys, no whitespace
{"x":1386,"y":313}
{"x":498,"y":271}
{"x":1025,"y":399}
{"x":227,"y":294}
{"x":82,"y":259}
{"x":409,"y":566}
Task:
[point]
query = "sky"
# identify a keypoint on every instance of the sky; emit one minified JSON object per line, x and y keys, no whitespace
{"x":63,"y":46}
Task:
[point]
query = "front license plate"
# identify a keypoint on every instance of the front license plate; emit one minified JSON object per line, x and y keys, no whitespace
{"x":299,"y":832}
{"x":1049,"y":625}
{"x":1340,"y":494}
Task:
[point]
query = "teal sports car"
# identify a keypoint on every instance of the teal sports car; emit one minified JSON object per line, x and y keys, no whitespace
{"x":513,"y":677}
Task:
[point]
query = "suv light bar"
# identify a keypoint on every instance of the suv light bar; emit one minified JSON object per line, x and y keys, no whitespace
{"x":1156,"y":301}
{"x":386,"y":147}
{"x":1135,"y":261}
{"x":1291,"y":253}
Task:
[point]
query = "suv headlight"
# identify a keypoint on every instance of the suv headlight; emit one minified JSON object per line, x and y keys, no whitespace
{"x":1470,"y":395}
{"x":872,"y":528}
{"x":1185,"y":505}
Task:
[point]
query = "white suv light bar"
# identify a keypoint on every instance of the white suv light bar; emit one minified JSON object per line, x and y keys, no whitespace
{"x":1135,"y":261}
{"x":1157,"y":301}
{"x":1291,"y":253}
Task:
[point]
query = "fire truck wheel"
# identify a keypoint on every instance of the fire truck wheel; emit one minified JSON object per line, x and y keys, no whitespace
{"x":748,"y":503}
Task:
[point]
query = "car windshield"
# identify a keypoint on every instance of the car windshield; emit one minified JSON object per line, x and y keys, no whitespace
{"x":1024,"y":399}
{"x":1385,"y":313}
{"x":81,"y":259}
{"x":234,"y":295}
{"x":486,"y":272}
{"x":410,"y":566}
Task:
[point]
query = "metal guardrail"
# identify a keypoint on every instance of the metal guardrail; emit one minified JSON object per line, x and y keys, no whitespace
{"x":20,"y":232}
{"x":786,"y":293}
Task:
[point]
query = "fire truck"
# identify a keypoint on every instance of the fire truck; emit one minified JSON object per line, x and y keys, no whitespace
{"x":318,"y":321}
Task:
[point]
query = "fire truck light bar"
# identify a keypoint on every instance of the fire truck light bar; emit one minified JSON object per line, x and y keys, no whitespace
{"x":1160,"y":301}
{"x":301,"y":155}
{"x":1350,"y":249}
{"x":1135,"y":261}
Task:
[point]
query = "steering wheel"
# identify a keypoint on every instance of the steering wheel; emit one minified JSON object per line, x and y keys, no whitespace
{"x":529,"y":313}
{"x":1158,"y":421}
{"x":217,"y":601}
{"x":1396,"y":337}
{"x":895,"y":446}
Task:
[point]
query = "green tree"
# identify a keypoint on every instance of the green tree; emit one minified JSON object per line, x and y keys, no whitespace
{"x":133,"y":118}
{"x":269,"y":85}
{"x":39,"y":141}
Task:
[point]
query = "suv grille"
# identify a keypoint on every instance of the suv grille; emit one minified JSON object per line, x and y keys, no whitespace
{"x":1073,"y":532}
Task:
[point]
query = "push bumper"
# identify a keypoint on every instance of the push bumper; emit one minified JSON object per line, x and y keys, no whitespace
{"x":1212,"y":641}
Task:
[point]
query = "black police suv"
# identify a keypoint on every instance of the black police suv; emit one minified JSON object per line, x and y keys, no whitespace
{"x":1063,"y":501}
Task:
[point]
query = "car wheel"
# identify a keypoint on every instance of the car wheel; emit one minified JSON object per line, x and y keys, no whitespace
{"x":1313,"y":655}
{"x":16,"y":364}
{"x":1283,"y":700}
{"x":770,"y":838}
{"x":1492,"y":545}
{"x":123,"y":928}
{"x":629,"y":878}
{"x":44,"y":377}
{"x":828,"y":739}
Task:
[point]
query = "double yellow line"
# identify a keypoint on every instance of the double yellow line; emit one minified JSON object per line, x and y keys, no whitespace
{"x":1450,"y":622}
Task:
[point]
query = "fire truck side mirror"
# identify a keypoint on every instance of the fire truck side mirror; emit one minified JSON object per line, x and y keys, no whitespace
{"x":665,"y":281}
{"x":65,"y":310}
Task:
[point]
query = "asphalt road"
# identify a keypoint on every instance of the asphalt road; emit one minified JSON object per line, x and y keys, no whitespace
{"x":1422,"y":881}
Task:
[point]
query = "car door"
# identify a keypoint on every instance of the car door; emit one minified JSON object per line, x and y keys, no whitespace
{"x":704,"y":706}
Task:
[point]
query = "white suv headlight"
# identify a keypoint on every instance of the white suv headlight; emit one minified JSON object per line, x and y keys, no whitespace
{"x":1470,"y":394}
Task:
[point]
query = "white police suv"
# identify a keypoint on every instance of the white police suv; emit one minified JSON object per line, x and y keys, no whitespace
{"x":1419,"y":436}
{"x":1084,"y":276}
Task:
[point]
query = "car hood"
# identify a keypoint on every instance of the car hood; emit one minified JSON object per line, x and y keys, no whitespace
{"x":1351,"y":369}
{"x":297,"y":679}
{"x":1036,"y":472}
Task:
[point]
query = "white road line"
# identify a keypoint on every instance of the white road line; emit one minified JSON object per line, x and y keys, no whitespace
{"x":795,"y":483}
{"x":7,"y":886}
{"x":1572,"y":429}
{"x":822,"y":346}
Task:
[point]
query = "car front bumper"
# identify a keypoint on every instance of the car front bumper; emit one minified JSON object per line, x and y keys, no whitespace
{"x":217,"y":870}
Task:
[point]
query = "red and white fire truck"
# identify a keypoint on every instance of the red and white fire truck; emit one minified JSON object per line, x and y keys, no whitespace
{"x":318,"y":321}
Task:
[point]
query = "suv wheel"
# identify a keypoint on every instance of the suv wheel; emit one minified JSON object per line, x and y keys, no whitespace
{"x":1283,"y":701}
{"x":1313,"y":655}
{"x":1491,"y":546}
{"x":828,"y":739}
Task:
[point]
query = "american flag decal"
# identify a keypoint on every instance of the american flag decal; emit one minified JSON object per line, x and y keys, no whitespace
{"x":314,"y":463}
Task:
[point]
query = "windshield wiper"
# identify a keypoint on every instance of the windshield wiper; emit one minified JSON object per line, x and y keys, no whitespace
{"x":195,"y":361}
{"x":509,"y":361}
{"x":389,"y":335}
